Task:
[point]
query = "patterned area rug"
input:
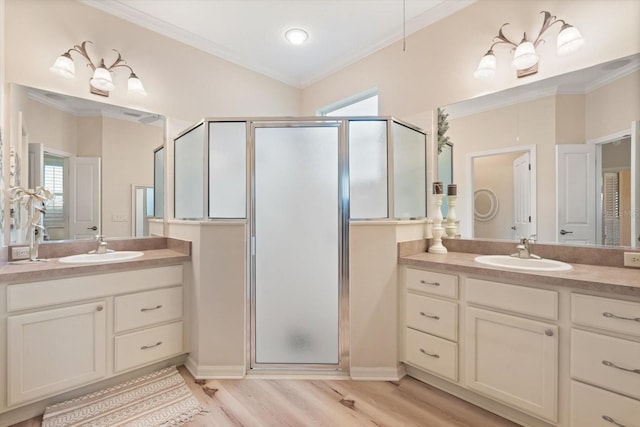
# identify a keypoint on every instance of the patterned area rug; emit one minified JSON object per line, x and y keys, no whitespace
{"x":159,"y":399}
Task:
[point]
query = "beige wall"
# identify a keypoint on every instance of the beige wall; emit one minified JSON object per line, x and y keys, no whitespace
{"x":570,"y":119}
{"x":182,"y":82}
{"x":51,"y":127}
{"x":127,"y":158}
{"x":611,"y":108}
{"x":437,"y":67}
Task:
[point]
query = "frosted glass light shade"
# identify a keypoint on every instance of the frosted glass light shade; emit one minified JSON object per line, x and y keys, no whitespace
{"x":525,"y":56}
{"x":296,"y":36}
{"x":569,"y":40}
{"x":487,"y":66}
{"x":102,"y":79}
{"x":134,"y":85}
{"x":64,"y":66}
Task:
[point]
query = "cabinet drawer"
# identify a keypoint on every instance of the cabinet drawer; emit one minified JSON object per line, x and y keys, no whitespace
{"x":519,"y":299}
{"x":146,"y":308}
{"x":594,"y":358}
{"x":433,"y":354}
{"x":606,"y":313}
{"x":150,"y":345}
{"x":431,"y":315}
{"x":432,"y":283}
{"x":594,"y":407}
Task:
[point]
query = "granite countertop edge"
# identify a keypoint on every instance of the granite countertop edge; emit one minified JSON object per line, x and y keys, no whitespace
{"x":616,"y":280}
{"x":54,"y":269}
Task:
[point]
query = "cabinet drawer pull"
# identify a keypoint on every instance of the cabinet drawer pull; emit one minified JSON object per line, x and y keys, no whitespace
{"x":146,"y":347}
{"x":435,"y":356}
{"x":613,"y":365}
{"x":99,"y":308}
{"x":613,"y":316}
{"x":608,"y":419}
{"x":430,"y":316}
{"x":424,"y":282}
{"x":152,"y":308}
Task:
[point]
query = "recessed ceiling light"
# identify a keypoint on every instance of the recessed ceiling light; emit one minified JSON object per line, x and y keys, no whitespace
{"x":296,"y":36}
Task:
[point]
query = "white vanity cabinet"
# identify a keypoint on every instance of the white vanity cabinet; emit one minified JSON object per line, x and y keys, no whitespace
{"x":69,"y":332}
{"x":431,"y":322}
{"x":509,"y":357}
{"x":605,"y":361}
{"x":56,"y":349}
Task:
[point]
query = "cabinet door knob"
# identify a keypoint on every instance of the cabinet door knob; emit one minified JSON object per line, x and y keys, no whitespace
{"x":548,"y":333}
{"x":99,"y":308}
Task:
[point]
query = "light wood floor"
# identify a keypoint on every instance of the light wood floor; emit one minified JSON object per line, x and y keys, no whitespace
{"x":335,"y":403}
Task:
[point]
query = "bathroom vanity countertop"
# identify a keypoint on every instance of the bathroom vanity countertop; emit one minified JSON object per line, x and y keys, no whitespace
{"x":54,"y":269}
{"x":621,"y":281}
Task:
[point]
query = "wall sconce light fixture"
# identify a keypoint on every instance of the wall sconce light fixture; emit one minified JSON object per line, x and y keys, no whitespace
{"x":525,"y":59}
{"x":101,"y":82}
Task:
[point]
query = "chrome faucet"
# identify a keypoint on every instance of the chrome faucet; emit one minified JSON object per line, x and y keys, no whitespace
{"x":524,"y":250}
{"x":39,"y":233}
{"x":101,"y":247}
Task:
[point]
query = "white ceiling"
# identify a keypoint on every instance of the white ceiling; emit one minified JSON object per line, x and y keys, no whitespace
{"x":251,"y":32}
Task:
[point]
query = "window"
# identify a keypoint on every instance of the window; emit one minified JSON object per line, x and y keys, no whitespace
{"x":54,"y":182}
{"x":362,"y":104}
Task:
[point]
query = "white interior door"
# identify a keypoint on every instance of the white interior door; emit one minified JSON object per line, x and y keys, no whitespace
{"x":84,"y":203}
{"x":576,"y":193}
{"x":36,"y":165}
{"x":522,"y":196}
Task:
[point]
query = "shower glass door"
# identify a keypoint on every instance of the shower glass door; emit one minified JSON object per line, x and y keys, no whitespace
{"x":297,"y":230}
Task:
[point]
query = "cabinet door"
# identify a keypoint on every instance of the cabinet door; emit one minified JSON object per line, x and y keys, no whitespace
{"x":513,"y":360}
{"x":54,"y":350}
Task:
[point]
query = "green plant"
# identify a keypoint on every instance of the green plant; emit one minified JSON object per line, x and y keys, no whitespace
{"x":443,"y":126}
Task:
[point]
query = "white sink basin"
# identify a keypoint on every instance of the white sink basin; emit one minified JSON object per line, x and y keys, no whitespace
{"x":531,"y":264}
{"x":101,"y":258}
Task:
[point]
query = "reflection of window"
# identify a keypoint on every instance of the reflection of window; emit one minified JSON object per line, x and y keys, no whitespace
{"x":54,"y":182}
{"x":363,"y":104}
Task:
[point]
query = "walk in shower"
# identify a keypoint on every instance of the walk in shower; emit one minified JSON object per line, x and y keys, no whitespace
{"x":298,"y":183}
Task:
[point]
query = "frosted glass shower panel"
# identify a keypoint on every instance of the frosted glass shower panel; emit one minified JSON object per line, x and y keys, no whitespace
{"x":297,"y":240}
{"x":158,"y":183}
{"x":368,"y":169}
{"x":409,"y":172}
{"x":227,"y":169}
{"x":189,"y":174}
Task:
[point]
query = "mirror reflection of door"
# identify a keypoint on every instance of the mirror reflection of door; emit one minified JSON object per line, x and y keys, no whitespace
{"x":509,"y":174}
{"x":143,"y":209}
{"x":616,"y":192}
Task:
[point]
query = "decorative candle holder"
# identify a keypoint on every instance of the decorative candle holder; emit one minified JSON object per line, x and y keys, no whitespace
{"x":451,"y":227}
{"x":436,"y":246}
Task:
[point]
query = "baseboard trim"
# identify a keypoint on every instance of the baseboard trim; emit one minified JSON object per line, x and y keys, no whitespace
{"x":377,"y":374}
{"x":214,"y":372}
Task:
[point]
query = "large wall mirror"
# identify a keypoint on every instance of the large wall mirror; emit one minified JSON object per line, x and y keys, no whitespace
{"x":98,"y":160}
{"x":579,"y":133}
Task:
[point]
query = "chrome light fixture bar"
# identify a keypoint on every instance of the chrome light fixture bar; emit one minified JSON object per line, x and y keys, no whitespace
{"x":525,"y":58}
{"x":101,"y":82}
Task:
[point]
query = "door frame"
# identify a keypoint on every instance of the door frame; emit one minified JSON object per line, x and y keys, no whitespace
{"x":343,"y":251}
{"x":467,"y":221}
{"x":633,"y":133}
